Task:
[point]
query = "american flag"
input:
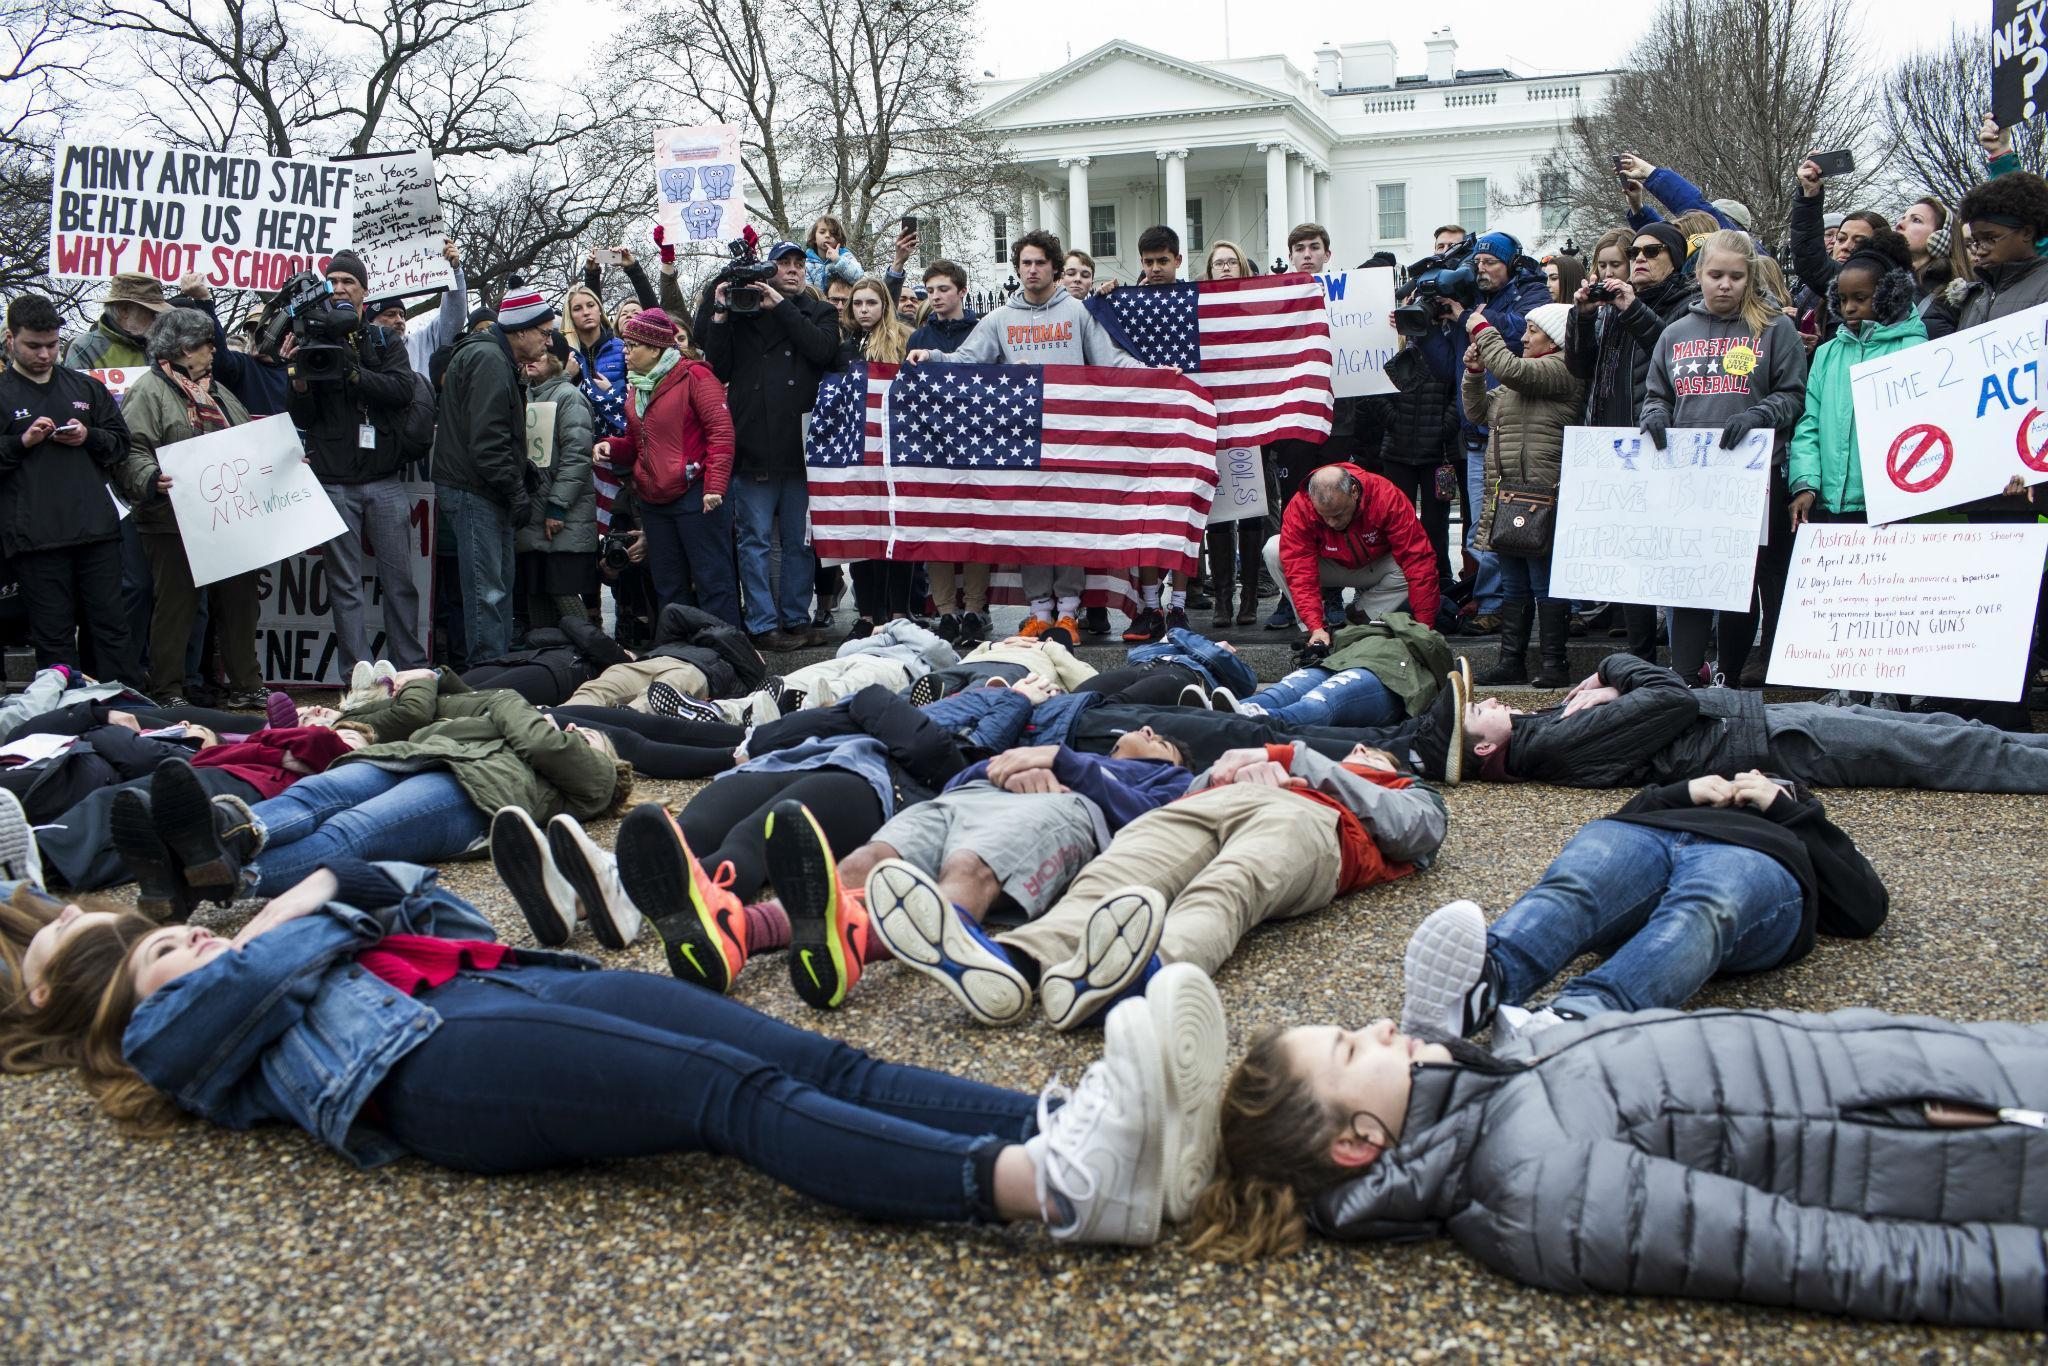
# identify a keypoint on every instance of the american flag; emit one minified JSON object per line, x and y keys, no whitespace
{"x":1261,"y":347}
{"x":1011,"y":464}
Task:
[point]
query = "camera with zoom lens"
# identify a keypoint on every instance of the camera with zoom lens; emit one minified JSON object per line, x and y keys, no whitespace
{"x":1602,"y":292}
{"x":325,"y":328}
{"x":1434,"y":282}
{"x":744,"y":275}
{"x":614,"y":558}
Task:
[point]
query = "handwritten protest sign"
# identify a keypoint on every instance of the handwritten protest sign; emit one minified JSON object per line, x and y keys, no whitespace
{"x":1240,"y":485}
{"x":244,"y":497}
{"x":540,"y":434}
{"x":697,"y":183}
{"x":1943,"y":610}
{"x":1362,"y":337}
{"x":247,"y":221}
{"x":1673,"y":528}
{"x":2019,"y":62}
{"x":1951,"y":420}
{"x":295,"y":636}
{"x":399,"y":231}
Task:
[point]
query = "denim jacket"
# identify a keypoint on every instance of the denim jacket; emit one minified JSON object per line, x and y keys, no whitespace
{"x":1207,"y":658}
{"x":290,"y":1029}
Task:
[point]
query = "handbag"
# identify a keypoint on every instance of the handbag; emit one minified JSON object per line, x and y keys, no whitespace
{"x":1524,"y":519}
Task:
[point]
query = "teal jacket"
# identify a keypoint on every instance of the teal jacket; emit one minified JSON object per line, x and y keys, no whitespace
{"x":1824,"y":443}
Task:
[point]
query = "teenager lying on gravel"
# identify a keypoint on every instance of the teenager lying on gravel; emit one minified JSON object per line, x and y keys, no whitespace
{"x":367,"y":1006}
{"x":1891,"y":1167}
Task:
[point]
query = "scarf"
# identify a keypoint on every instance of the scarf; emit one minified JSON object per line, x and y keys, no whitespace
{"x":643,"y":385}
{"x":205,"y":413}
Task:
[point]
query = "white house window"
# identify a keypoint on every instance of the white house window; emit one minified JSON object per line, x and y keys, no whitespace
{"x":1472,"y":204}
{"x":1556,"y":195}
{"x":1002,"y":225}
{"x":1198,"y":234}
{"x":1393,"y":216}
{"x":1102,"y":230}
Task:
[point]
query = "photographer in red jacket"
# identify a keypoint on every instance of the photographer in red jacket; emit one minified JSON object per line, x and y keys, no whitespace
{"x":1350,"y":529}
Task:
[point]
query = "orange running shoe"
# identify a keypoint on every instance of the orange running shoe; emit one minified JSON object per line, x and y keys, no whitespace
{"x":1072,"y":628}
{"x":828,"y":925}
{"x":1034,"y":627}
{"x":700,"y":921}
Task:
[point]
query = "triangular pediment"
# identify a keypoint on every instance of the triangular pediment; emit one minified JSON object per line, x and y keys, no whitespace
{"x":1122,"y":80}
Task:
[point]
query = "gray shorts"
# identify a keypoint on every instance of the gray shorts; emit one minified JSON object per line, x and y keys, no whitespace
{"x":1034,"y":843}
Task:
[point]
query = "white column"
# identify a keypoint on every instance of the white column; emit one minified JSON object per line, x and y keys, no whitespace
{"x":1297,"y":189}
{"x":1277,"y":222}
{"x":1077,"y":202}
{"x":1033,"y":208}
{"x":1176,"y":159}
{"x":1322,"y":175}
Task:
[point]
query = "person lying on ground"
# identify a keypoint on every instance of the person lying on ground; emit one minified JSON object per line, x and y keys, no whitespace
{"x":1009,"y":659}
{"x":1685,"y":882}
{"x":1880,"y":1166}
{"x":360,"y":1006}
{"x":1263,"y":834}
{"x":1375,"y":674}
{"x":894,"y":655}
{"x":59,"y":685}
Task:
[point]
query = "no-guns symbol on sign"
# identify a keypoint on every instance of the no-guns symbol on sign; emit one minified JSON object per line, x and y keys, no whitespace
{"x":1919,"y":458}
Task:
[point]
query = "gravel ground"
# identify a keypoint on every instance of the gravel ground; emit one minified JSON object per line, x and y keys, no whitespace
{"x":213,"y":1244}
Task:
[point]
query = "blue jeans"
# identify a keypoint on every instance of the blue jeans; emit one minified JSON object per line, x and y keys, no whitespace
{"x":770,"y":505}
{"x":1486,"y":585}
{"x":1317,"y":697}
{"x":689,"y":555}
{"x":483,"y":557}
{"x":1672,"y":909}
{"x":1524,"y":577}
{"x":539,"y":1066}
{"x":362,"y":811}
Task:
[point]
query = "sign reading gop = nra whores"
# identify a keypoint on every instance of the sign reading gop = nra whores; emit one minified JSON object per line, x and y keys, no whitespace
{"x":244,"y":498}
{"x":1953,"y":420}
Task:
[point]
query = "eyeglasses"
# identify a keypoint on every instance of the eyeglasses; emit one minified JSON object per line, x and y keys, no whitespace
{"x":1982,"y":242}
{"x":1649,"y":253}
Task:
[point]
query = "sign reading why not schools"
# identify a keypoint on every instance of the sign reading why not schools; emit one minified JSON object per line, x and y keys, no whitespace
{"x":1942,"y":611}
{"x":245,"y":497}
{"x":1362,"y":336}
{"x":250,"y":222}
{"x":1676,"y":527}
{"x":1952,"y":420}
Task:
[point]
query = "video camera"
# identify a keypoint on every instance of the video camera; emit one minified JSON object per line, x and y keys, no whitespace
{"x":1448,"y":275}
{"x":325,"y":326}
{"x":745,"y":274}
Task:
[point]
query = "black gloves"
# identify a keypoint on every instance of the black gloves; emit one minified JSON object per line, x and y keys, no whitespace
{"x":1654,"y":428}
{"x":1739,"y":426}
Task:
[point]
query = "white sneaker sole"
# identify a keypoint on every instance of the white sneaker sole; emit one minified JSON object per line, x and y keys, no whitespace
{"x":19,"y":857}
{"x":577,"y":856}
{"x":1119,"y":939}
{"x":1194,"y":1043}
{"x":1130,"y":1033}
{"x":520,"y":855}
{"x":1446,"y":958}
{"x":912,"y":916}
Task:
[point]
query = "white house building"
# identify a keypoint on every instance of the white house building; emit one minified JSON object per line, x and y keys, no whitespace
{"x":1244,"y":149}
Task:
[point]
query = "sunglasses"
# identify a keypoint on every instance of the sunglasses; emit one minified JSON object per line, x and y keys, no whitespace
{"x":1649,"y":253}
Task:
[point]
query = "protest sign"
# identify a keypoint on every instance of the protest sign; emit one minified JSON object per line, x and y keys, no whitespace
{"x":1945,"y":610}
{"x":697,"y":183}
{"x":244,"y":497}
{"x":1240,"y":485}
{"x":251,"y":222}
{"x":1952,"y":420}
{"x":295,"y":637}
{"x":1362,"y":337}
{"x":118,"y":378}
{"x":2019,"y":60}
{"x":540,"y":434}
{"x":1672,"y":528}
{"x":399,"y":231}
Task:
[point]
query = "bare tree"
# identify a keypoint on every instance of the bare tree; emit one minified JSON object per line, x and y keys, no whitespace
{"x":40,"y":60}
{"x":1731,"y":94}
{"x":1933,"y":103}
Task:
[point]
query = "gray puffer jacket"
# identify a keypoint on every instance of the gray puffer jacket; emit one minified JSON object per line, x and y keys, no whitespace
{"x":1763,"y":1156}
{"x":569,"y":491}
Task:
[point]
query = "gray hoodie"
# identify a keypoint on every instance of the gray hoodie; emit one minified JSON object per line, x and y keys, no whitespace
{"x":1060,"y":331}
{"x":1692,"y":382}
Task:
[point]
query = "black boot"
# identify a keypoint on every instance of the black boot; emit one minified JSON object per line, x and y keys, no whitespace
{"x":1553,"y":626}
{"x":161,"y":893}
{"x":1513,"y":665}
{"x":1222,"y":571}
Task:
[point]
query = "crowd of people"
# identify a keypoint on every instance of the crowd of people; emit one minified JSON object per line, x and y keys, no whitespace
{"x":993,"y":814}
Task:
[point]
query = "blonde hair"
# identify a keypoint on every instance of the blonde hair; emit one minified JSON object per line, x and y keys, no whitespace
{"x":569,"y":302}
{"x":1244,"y":259}
{"x":1771,"y":277}
{"x":1275,"y":1159}
{"x":1621,"y":239}
{"x":1755,"y":309}
{"x":888,"y":339}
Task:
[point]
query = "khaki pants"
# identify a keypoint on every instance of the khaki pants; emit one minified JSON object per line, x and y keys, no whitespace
{"x":1381,"y":585}
{"x":1225,"y":860}
{"x":973,"y":579}
{"x":625,"y":685}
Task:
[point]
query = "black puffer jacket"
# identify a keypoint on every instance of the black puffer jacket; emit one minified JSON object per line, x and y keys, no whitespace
{"x":770,"y":363}
{"x":731,"y":666}
{"x":1419,"y":424}
{"x":1657,"y":731}
{"x":1768,"y":1157}
{"x":1611,"y":351}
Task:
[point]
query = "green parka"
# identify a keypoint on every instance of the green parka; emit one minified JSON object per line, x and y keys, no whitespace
{"x":1823,"y":456}
{"x":1408,"y":658}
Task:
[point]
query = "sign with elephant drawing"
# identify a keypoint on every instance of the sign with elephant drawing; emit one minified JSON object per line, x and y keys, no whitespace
{"x":698,"y":185}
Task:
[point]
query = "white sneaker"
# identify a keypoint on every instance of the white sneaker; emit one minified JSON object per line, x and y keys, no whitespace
{"x":382,"y":673}
{"x":759,"y":708}
{"x":1099,"y":1155}
{"x":528,"y":871}
{"x":594,"y":874}
{"x":1447,"y":994}
{"x":1194,"y":696}
{"x":1119,"y":939}
{"x":20,"y":860}
{"x":1187,"y":1019}
{"x":1513,"y":1022}
{"x":909,"y":913}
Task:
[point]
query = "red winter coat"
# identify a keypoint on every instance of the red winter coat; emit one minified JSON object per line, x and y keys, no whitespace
{"x":1385,"y":524}
{"x":685,"y":435}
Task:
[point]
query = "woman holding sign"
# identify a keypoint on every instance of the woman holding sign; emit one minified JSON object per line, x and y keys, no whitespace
{"x":176,"y":400}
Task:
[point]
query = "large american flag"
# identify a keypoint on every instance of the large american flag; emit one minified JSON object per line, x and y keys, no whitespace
{"x":1011,"y":464}
{"x":1261,"y":347}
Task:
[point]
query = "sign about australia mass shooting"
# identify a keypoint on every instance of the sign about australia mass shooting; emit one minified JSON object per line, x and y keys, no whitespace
{"x":246,"y":222}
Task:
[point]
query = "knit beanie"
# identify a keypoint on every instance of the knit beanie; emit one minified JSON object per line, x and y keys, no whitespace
{"x":1674,"y":241}
{"x":649,"y":327}
{"x":346,"y":262}
{"x":523,"y":310}
{"x":1500,"y":246}
{"x":1552,"y":319}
